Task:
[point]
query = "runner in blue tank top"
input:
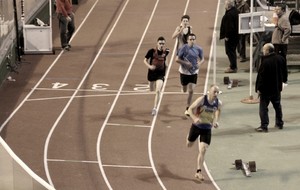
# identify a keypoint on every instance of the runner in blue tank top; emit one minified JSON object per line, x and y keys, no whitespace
{"x":204,"y":112}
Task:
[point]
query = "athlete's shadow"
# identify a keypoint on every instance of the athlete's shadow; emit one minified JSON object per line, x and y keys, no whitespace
{"x":168,"y":117}
{"x":129,"y":115}
{"x":164,"y":174}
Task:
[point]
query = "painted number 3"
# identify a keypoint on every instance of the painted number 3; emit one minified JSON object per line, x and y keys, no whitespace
{"x":103,"y":86}
{"x":99,"y":86}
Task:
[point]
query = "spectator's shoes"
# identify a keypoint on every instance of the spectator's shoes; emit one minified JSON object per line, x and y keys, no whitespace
{"x":261,"y":129}
{"x":229,"y":70}
{"x":243,"y":59}
{"x":278,"y":126}
{"x":66,"y":48}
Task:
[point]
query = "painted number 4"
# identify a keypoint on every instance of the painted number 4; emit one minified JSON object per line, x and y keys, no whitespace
{"x":103,"y":86}
{"x":58,"y":85}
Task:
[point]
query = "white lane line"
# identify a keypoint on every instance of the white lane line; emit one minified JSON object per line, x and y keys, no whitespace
{"x":35,"y":87}
{"x":158,"y":106}
{"x":30,"y":93}
{"x":80,"y":90}
{"x":206,"y":83}
{"x":88,"y":90}
{"x":4,"y":171}
{"x":123,"y":91}
{"x":123,"y":166}
{"x":70,"y":101}
{"x":114,"y":103}
{"x":104,"y":165}
{"x":72,"y":161}
{"x":44,"y":76}
{"x":105,"y":95}
{"x":128,"y":125}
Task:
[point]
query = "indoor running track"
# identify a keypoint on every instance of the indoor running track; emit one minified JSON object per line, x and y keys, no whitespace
{"x":82,"y":119}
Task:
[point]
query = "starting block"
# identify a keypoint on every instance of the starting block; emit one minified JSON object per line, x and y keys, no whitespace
{"x":246,"y":167}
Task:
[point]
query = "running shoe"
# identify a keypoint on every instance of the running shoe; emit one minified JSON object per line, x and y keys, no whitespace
{"x":199,"y":176}
{"x":153,"y":113}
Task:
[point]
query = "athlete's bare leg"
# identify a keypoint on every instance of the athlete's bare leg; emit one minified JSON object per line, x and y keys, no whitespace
{"x":200,"y":160}
{"x":202,"y":150}
{"x":152,"y":86}
{"x":159,"y":84}
{"x":190,"y":87}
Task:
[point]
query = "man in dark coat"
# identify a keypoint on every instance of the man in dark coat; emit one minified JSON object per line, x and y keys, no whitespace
{"x":229,"y":32}
{"x":271,"y":76}
{"x":243,"y":7}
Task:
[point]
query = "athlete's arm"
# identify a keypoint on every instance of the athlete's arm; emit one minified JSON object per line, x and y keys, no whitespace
{"x":151,"y":67}
{"x":198,"y":102}
{"x":184,"y":63}
{"x":178,"y":30}
{"x":217,"y":115}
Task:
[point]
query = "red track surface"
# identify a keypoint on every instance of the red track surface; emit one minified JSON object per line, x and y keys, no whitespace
{"x":96,"y":130}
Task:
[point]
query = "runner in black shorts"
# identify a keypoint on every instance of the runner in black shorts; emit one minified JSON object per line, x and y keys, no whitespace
{"x":186,"y":79}
{"x":190,"y":57}
{"x":195,"y":132}
{"x":156,"y":62}
{"x":204,"y":112}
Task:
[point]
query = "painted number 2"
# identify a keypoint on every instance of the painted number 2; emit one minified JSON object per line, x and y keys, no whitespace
{"x":103,"y":86}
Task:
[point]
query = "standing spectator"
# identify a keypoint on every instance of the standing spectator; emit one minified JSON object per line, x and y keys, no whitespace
{"x":271,"y":75}
{"x":243,"y":7}
{"x":205,"y":113}
{"x":282,"y":31}
{"x":275,"y":18}
{"x":155,"y":60}
{"x":229,"y":32}
{"x":65,"y":16}
{"x":190,"y":57}
{"x":54,"y":4}
{"x":182,"y":31}
{"x":270,"y":2}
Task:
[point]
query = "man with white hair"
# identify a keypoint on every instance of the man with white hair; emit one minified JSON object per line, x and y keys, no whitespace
{"x":271,"y":75}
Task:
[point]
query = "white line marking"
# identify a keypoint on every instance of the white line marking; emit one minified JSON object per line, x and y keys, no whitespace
{"x":133,"y":93}
{"x":123,"y":91}
{"x":128,"y":125}
{"x":22,"y":164}
{"x":111,"y":108}
{"x":85,"y":90}
{"x":206,"y":82}
{"x":114,"y":103}
{"x":50,"y":68}
{"x":158,"y":106}
{"x":123,"y":166}
{"x":31,"y":92}
{"x":33,"y":89}
{"x":96,"y":162}
{"x":74,"y":161}
{"x":69,"y":102}
{"x":116,"y":53}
